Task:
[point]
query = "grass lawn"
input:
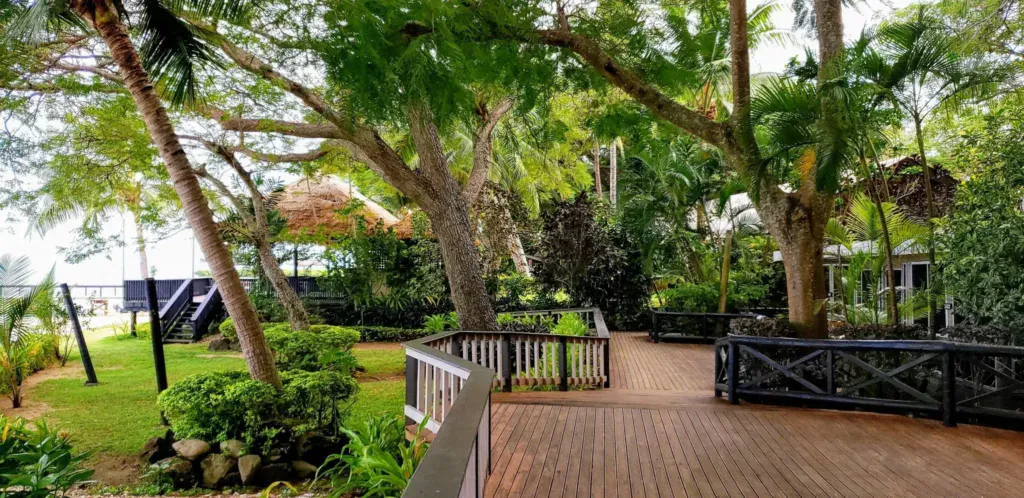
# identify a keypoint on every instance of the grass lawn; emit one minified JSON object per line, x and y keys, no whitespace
{"x":117,"y":416}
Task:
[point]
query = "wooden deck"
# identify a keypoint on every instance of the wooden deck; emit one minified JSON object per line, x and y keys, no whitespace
{"x":658,"y":433}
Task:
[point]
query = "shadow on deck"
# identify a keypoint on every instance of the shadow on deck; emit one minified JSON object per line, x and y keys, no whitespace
{"x":661,"y":432}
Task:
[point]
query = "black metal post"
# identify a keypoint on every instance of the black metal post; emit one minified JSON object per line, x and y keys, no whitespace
{"x":831,"y":366}
{"x":506,"y":366}
{"x":83,"y":348}
{"x":411,"y":379}
{"x":734,"y":372}
{"x":704,"y":327}
{"x":718,"y":370}
{"x":563,"y":365}
{"x":156,"y":335}
{"x":654,"y":327}
{"x":949,"y":390}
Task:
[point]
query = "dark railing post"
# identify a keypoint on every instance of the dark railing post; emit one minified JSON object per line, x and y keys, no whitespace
{"x":654,"y":327}
{"x":83,"y":349}
{"x":156,"y":336}
{"x":411,"y":381}
{"x":704,"y":327}
{"x":718,"y":370}
{"x":949,"y":390}
{"x":734,"y":372}
{"x":563,"y":365}
{"x":506,"y":366}
{"x":830,"y":379}
{"x":608,"y":363}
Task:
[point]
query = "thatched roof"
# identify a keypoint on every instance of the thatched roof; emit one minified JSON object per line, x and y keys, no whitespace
{"x":317,"y":206}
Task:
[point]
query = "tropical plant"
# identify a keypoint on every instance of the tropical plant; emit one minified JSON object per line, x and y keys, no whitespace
{"x":53,"y":321}
{"x":377,"y":461}
{"x":18,"y":342}
{"x":37,"y":461}
{"x":570,"y":324}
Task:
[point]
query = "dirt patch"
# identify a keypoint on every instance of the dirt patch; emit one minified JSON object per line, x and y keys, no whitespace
{"x":379,"y":346}
{"x":30,"y":408}
{"x":114,"y":470}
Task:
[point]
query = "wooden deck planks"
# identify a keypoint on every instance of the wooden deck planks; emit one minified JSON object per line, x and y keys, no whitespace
{"x":659,"y":432}
{"x":543,"y":450}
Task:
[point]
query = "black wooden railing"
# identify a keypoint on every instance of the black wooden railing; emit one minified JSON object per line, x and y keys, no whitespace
{"x":693,"y":327}
{"x":135,"y":293}
{"x":174,"y":309}
{"x":207,"y":311}
{"x":452,"y":398}
{"x":945,"y":380}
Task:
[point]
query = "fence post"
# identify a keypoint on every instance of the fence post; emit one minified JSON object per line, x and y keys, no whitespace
{"x":563,"y":365}
{"x":830,"y":380}
{"x":654,"y":326}
{"x":411,"y":380}
{"x":718,"y":370}
{"x":734,"y":372}
{"x":506,"y":366}
{"x":949,"y":390}
{"x":83,"y":349}
{"x":156,"y":335}
{"x":704,"y":327}
{"x":608,"y":363}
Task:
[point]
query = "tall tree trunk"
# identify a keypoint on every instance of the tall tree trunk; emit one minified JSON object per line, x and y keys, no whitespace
{"x":140,"y":244}
{"x":448,"y":211}
{"x":298,"y":319}
{"x":933,"y":276}
{"x":104,"y":17}
{"x":597,"y":170}
{"x":613,"y":174}
{"x":797,"y":222}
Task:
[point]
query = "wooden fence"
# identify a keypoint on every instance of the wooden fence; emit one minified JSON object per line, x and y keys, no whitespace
{"x":945,"y":380}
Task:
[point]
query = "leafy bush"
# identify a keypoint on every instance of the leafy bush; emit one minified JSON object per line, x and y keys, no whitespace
{"x":37,"y":462}
{"x":217,"y":406}
{"x":323,"y":346}
{"x":570,"y":324}
{"x":868,"y":331}
{"x":389,"y":334}
{"x":377,"y":461}
{"x":227,"y":329}
{"x":314,"y":400}
{"x":762,"y":327}
{"x":983,"y":334}
{"x":439,"y":323}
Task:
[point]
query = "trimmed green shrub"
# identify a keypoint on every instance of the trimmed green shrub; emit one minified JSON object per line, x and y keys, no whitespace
{"x":389,"y":334}
{"x":227,"y":329}
{"x":983,"y":334}
{"x":762,"y":327}
{"x":313,"y":400}
{"x":324,"y":346}
{"x":217,"y":406}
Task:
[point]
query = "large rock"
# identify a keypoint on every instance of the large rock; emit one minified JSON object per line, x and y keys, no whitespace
{"x":232,"y":448}
{"x":156,"y":449}
{"x":193,"y":449}
{"x":249,"y":469}
{"x":178,"y":470}
{"x":216,"y":467}
{"x":219,"y":344}
{"x":276,"y":472}
{"x":303,"y":469}
{"x":315,"y":448}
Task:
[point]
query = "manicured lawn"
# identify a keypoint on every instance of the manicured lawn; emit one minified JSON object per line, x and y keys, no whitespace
{"x":118,"y":415}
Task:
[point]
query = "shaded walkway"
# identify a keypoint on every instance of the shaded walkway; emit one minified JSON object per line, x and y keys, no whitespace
{"x":660,"y":432}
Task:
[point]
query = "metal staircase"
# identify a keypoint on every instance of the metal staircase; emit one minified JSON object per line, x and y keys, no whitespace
{"x":184,"y":319}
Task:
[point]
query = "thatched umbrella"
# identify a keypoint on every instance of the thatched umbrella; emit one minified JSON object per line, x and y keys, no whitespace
{"x":322,"y":206}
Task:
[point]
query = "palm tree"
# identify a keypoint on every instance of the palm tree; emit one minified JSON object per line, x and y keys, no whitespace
{"x":171,"y":50}
{"x":927,"y":74}
{"x":16,"y":309}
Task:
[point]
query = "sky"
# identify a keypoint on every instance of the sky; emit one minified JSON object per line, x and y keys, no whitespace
{"x":178,"y":256}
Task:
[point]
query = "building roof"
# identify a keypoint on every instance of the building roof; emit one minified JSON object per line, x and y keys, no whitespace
{"x":317,"y":206}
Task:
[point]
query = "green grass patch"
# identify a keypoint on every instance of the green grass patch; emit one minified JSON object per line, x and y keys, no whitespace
{"x":378,"y":398}
{"x":381,"y":361}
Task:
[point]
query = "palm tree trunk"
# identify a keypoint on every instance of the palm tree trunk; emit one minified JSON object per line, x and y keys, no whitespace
{"x":140,"y":244}
{"x":933,"y":280}
{"x":890,"y":272}
{"x":597,"y":170}
{"x":104,"y":17}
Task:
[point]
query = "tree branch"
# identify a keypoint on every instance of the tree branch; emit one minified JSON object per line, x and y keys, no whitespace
{"x":483,"y":148}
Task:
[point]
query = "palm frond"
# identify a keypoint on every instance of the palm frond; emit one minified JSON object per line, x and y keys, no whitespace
{"x":173,"y":51}
{"x":45,"y":15}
